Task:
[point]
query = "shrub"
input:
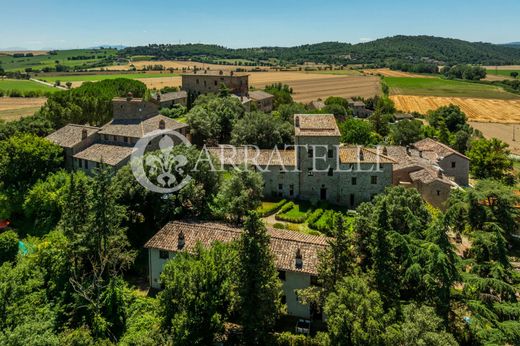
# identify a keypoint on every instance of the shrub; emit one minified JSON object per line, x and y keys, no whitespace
{"x":15,"y":93}
{"x":279,"y":225}
{"x":323,"y":223}
{"x":289,"y":339}
{"x":287,"y":207}
{"x":8,"y":246}
{"x":264,"y":212}
{"x":315,"y":216}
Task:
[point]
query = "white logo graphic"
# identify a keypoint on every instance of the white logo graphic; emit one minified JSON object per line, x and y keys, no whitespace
{"x":160,"y":170}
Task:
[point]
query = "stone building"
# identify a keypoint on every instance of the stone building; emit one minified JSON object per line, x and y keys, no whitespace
{"x":168,"y":100}
{"x":317,"y":168}
{"x":359,"y":109}
{"x":295,"y":255}
{"x":133,"y":118}
{"x":262,"y":100}
{"x":433,"y":168}
{"x":203,"y":82}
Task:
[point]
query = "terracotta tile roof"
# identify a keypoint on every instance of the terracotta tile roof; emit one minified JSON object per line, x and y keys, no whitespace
{"x":442,"y":150}
{"x":70,"y":135}
{"x":266,"y":157}
{"x":109,"y":154}
{"x":352,"y":155}
{"x":429,"y":175}
{"x":403,"y":160}
{"x":138,"y":128}
{"x":284,"y":244}
{"x":316,"y":125}
{"x":176,"y":95}
{"x":260,"y":95}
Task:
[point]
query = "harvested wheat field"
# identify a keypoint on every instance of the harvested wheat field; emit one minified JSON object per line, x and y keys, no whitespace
{"x":13,"y":108}
{"x":504,"y":132}
{"x":483,"y":110}
{"x":505,"y":67}
{"x":308,"y":87}
{"x":390,"y":73}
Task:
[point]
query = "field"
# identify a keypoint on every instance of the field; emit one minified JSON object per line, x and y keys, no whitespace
{"x":445,"y":88}
{"x":503,"y":132}
{"x":172,"y":64}
{"x":12,"y":108}
{"x":64,"y":57}
{"x":506,"y":73}
{"x":24,"y":85}
{"x":98,"y":77}
{"x":311,"y":86}
{"x":390,"y":73}
{"x":482,"y":110}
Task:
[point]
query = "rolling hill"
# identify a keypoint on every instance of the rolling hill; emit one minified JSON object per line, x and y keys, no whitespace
{"x":407,"y":48}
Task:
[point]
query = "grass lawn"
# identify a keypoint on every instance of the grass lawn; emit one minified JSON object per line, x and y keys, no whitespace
{"x":98,"y":77}
{"x":502,"y":72}
{"x":445,"y":88}
{"x":299,"y":210}
{"x":24,"y":85}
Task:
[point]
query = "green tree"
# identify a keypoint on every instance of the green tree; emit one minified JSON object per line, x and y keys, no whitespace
{"x":8,"y":246}
{"x":263,"y":130}
{"x":451,"y":115}
{"x":355,"y":314}
{"x":406,"y":132}
{"x":489,"y":159}
{"x":357,"y":131}
{"x":281,"y":92}
{"x":420,"y":327}
{"x":240,"y":193}
{"x":287,"y":111}
{"x":199,"y":294}
{"x":514,"y":74}
{"x":24,"y":159}
{"x":259,"y":286}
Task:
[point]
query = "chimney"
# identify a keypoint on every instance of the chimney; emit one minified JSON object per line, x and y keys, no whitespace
{"x":296,"y":121}
{"x":299,"y":260}
{"x":205,"y":71}
{"x":420,"y":153}
{"x":221,"y":72}
{"x":129,"y":96}
{"x":408,"y":150}
{"x":158,"y":96}
{"x":439,"y":173}
{"x":385,"y":151}
{"x":162,"y":125}
{"x":181,"y":241}
{"x":231,"y":73}
{"x":361,"y":155}
{"x":84,"y":134}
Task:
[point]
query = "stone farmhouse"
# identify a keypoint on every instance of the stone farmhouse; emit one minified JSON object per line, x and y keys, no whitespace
{"x":86,"y":147}
{"x":295,"y":255}
{"x":203,"y":82}
{"x":168,"y":100}
{"x":319,"y":168}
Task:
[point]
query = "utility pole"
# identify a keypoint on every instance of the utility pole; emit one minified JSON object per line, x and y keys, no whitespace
{"x":514,"y":133}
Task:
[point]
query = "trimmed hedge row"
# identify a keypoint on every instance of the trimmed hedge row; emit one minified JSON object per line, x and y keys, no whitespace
{"x":283,"y":216}
{"x":273,"y":209}
{"x":323,"y":223}
{"x":287,"y":207}
{"x":315,"y":216}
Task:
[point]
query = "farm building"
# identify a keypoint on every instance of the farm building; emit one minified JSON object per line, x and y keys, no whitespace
{"x":168,"y":100}
{"x":203,"y":82}
{"x":262,"y":100}
{"x":359,"y":109}
{"x":295,"y":255}
{"x":86,"y":147}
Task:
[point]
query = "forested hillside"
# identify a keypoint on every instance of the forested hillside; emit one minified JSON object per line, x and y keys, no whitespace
{"x":410,"y":48}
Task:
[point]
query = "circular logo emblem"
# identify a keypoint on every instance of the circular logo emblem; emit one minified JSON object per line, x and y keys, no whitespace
{"x":156,"y":166}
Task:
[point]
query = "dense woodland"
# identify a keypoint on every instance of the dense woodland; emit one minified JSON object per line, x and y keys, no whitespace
{"x":397,"y":272}
{"x":407,"y":49}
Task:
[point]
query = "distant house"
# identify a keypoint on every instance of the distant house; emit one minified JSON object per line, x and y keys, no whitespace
{"x":262,"y":100}
{"x":359,"y":109}
{"x":87,"y":146}
{"x":203,"y":82}
{"x":244,"y":100}
{"x":317,"y":105}
{"x":296,"y":255}
{"x":403,"y":116}
{"x":168,"y":100}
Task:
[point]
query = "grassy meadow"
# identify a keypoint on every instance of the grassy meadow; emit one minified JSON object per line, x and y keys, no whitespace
{"x":445,"y":88}
{"x":63,"y":57}
{"x":24,"y":85}
{"x":506,"y":73}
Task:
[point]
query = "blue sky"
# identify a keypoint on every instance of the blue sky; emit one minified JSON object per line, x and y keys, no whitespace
{"x":44,"y":24}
